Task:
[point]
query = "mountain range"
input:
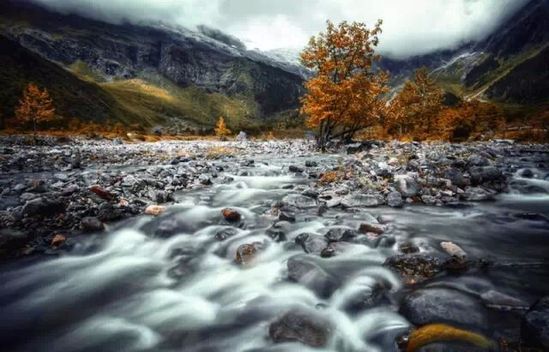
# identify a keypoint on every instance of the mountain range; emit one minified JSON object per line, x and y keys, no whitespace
{"x":156,"y":74}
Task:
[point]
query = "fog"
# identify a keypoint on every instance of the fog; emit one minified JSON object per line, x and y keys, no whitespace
{"x":410,"y":27}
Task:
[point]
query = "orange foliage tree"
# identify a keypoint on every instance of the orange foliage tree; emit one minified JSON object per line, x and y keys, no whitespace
{"x":345,"y":94}
{"x":470,"y":118}
{"x":418,"y":104}
{"x":35,"y":107}
{"x":221,"y":129}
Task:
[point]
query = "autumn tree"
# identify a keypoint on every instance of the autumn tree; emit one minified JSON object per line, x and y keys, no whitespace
{"x":35,"y":107}
{"x":221,"y":129}
{"x":346,"y":93}
{"x":419,"y":101}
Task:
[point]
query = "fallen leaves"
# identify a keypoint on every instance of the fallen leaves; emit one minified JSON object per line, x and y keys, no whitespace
{"x":428,"y":334}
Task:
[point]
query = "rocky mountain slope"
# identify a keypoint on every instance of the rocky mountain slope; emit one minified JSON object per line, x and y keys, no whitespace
{"x":177,"y":64}
{"x":510,"y":65}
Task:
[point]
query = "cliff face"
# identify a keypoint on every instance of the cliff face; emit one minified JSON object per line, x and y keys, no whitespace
{"x":156,"y":54}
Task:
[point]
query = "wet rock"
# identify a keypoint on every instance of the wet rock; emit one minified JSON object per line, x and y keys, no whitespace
{"x":155,"y":210}
{"x":485,"y":174}
{"x":407,"y":185}
{"x":534,"y":329}
{"x":91,"y":224}
{"x":296,"y":169}
{"x":301,"y":326}
{"x":453,"y":250}
{"x":340,"y":234}
{"x":414,"y":268}
{"x":11,"y":241}
{"x":440,"y":305}
{"x":308,"y":273}
{"x":478,"y":160}
{"x":38,"y":186}
{"x":42,"y":206}
{"x":57,"y":241}
{"x":394,"y":199}
{"x":162,"y":196}
{"x":526,"y":173}
{"x":408,"y":248}
{"x":204,"y":180}
{"x":366,"y":228}
{"x":286,"y":216}
{"x":299,"y":201}
{"x":231,"y":215}
{"x":312,"y":243}
{"x":477,"y":194}
{"x":501,"y":301}
{"x":225,"y":233}
{"x":246,"y":253}
{"x":361,"y":200}
{"x":456,"y":177}
{"x":311,"y":163}
{"x":102,"y":193}
{"x":328,"y":252}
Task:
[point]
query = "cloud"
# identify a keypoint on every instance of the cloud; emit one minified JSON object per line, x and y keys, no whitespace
{"x":410,"y":27}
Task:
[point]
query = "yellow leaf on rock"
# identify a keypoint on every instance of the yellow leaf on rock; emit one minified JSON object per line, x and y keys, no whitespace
{"x":441,"y":332}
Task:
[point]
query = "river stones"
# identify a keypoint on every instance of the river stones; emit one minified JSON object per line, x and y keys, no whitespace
{"x":441,"y":305}
{"x":394,"y":199}
{"x":91,"y":224}
{"x":406,"y":185}
{"x":414,"y":268}
{"x":312,"y":243}
{"x":361,"y":201}
{"x":245,"y":253}
{"x":308,"y":273}
{"x":155,"y":210}
{"x":43,"y":206}
{"x":535,"y":325}
{"x":295,"y":169}
{"x":370,"y":228}
{"x":231,"y":215}
{"x":336,"y":234}
{"x":304,"y":326}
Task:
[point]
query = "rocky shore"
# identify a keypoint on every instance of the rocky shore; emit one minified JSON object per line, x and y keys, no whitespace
{"x":57,"y":190}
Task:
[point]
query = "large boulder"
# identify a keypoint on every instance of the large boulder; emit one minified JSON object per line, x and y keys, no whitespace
{"x":441,"y":305}
{"x":407,"y":185}
{"x":302,"y":326}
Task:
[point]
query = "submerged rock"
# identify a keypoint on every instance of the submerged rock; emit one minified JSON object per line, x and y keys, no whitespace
{"x":246,"y":253}
{"x":308,"y":273}
{"x":414,"y":268}
{"x":440,"y":305}
{"x":312,"y":243}
{"x":302,"y":326}
{"x":231,"y":215}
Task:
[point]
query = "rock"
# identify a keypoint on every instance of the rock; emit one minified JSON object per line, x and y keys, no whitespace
{"x":328,"y":252}
{"x":91,"y":224}
{"x":361,"y":200}
{"x":408,"y":248}
{"x":311,"y":163}
{"x":225,"y":233}
{"x":57,"y":241}
{"x":485,"y":174}
{"x":394,"y":199}
{"x":477,"y":194}
{"x":102,"y":193}
{"x":497,"y":300}
{"x":477,"y":160}
{"x":162,"y":196}
{"x":366,"y":228}
{"x":242,"y":136}
{"x":440,"y":305}
{"x":12,"y":241}
{"x":407,"y":185}
{"x":414,"y":268}
{"x":456,"y":177}
{"x":246,"y":253}
{"x":38,"y":186}
{"x":299,"y":201}
{"x":42,"y":206}
{"x":301,"y":326}
{"x":231,"y":215}
{"x":526,"y":173}
{"x":286,"y":216}
{"x":453,"y":250}
{"x":534,"y":330}
{"x":312,"y":243}
{"x":204,"y":180}
{"x":304,"y":270}
{"x":155,"y":210}
{"x":336,"y":234}
{"x":295,"y":169}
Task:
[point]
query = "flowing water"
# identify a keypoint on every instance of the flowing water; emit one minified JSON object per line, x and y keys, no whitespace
{"x":167,"y":284}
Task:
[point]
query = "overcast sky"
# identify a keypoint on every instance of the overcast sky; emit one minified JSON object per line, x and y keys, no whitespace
{"x":410,"y":26}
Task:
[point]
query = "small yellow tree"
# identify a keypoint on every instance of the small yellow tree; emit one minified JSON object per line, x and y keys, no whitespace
{"x":221,"y":129}
{"x":34,"y":107}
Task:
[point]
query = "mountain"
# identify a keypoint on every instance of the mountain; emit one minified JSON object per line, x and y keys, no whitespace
{"x":510,"y":66}
{"x":146,"y":74}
